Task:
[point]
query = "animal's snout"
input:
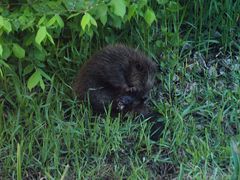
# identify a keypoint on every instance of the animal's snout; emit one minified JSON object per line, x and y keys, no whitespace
{"x":149,"y":84}
{"x":144,"y":97}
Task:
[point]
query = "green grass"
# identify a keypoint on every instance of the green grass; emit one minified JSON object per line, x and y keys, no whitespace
{"x":50,"y":134}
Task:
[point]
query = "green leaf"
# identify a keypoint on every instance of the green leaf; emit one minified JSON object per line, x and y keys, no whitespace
{"x":117,"y":21}
{"x":174,"y":6}
{"x":93,"y":21}
{"x":119,"y":7}
{"x":162,"y":2}
{"x":142,"y":3}
{"x":41,"y":20}
{"x":1,"y":50}
{"x":54,"y":19}
{"x":34,"y":80}
{"x":29,"y":24}
{"x":7,"y":26}
{"x":101,"y":10}
{"x":131,"y":11}
{"x":38,"y":55}
{"x":6,"y":51}
{"x":42,"y":85}
{"x":73,"y":15}
{"x":85,"y":21}
{"x":18,"y":51}
{"x":44,"y":74}
{"x":101,"y":13}
{"x":103,"y":19}
{"x":56,"y":6}
{"x":41,"y":34}
{"x":59,"y":21}
{"x":28,"y":69}
{"x":51,"y":21}
{"x":50,"y":38}
{"x":149,"y":16}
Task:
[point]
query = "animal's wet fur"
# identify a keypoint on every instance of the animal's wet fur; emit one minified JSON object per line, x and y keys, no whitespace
{"x":112,"y":72}
{"x":120,"y":76}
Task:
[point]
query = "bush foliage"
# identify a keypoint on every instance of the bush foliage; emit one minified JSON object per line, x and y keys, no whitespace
{"x":33,"y":31}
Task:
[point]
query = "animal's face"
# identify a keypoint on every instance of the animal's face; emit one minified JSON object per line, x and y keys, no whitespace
{"x":142,"y":75}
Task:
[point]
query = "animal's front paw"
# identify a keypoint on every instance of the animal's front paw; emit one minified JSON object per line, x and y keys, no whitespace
{"x":124,"y":101}
{"x":120,"y":106}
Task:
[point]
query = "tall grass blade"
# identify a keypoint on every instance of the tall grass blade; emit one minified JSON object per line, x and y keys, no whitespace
{"x":19,"y":168}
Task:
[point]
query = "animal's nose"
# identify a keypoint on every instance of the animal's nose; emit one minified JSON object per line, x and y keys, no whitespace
{"x":145,"y":97}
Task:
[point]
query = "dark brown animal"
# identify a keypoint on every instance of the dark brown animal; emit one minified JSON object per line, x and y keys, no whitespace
{"x":116,"y":74}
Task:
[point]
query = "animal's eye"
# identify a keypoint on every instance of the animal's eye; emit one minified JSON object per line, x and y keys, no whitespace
{"x":139,"y":67}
